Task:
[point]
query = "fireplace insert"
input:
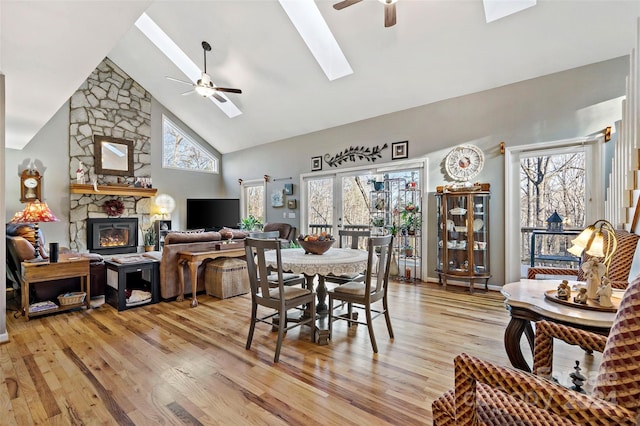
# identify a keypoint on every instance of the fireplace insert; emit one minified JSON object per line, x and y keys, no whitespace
{"x":112,"y":235}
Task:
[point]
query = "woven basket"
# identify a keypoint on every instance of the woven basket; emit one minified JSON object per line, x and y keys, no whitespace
{"x":71,"y":298}
{"x":226,"y":278}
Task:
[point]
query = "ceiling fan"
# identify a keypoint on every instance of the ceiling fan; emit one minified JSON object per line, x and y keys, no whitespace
{"x":389,"y":9}
{"x":204,"y":87}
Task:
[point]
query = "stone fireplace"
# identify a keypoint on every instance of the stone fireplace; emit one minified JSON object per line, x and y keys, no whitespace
{"x":112,"y":235}
{"x":109,"y":103}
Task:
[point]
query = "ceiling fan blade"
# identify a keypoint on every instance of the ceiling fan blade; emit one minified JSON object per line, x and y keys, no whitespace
{"x":188,"y":92}
{"x":219,"y":98}
{"x":346,"y":3}
{"x":224,"y":89}
{"x":179,"y":81}
{"x":389,"y":15}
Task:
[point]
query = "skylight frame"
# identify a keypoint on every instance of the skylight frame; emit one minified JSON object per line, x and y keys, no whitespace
{"x":171,"y":50}
{"x":308,"y":21}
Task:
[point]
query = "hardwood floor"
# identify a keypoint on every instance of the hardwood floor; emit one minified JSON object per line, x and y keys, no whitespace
{"x":171,"y":364}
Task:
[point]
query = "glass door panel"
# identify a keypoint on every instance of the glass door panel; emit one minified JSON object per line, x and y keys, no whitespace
{"x":320,"y":202}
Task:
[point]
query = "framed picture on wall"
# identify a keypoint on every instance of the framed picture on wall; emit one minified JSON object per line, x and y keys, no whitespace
{"x":316,"y":163}
{"x":288,"y":189}
{"x":277,"y":199}
{"x":399,"y":150}
{"x":292,"y":204}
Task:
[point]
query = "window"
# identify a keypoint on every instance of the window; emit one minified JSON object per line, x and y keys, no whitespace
{"x":553,"y":182}
{"x":253,"y":199}
{"x":180,"y":151}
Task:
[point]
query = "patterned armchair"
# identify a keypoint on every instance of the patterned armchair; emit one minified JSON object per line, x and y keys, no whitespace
{"x":488,"y":394}
{"x":618,"y":270}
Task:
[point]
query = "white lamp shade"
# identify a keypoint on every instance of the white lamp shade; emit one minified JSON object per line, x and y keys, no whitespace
{"x":583,"y":239}
{"x":576,"y":250}
{"x":597,"y":246}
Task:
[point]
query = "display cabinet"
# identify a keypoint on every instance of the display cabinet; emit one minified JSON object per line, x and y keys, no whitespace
{"x":162,"y":229}
{"x":463,"y":243}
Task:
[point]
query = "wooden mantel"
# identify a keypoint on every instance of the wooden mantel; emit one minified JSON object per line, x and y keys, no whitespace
{"x":131,"y":191}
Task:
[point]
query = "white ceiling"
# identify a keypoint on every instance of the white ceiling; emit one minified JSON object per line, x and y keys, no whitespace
{"x":438,"y":50}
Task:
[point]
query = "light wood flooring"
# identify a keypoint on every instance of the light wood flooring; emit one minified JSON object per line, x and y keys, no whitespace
{"x":169,"y":364}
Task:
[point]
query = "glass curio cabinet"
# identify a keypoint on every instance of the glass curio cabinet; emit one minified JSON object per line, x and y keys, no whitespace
{"x":463,"y":236}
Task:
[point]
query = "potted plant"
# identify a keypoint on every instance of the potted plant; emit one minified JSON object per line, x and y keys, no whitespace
{"x":149,"y":238}
{"x":411,"y":218}
{"x":251,"y":223}
{"x":408,"y":251}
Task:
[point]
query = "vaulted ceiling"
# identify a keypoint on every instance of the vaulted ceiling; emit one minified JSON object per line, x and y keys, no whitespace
{"x":439,"y":49}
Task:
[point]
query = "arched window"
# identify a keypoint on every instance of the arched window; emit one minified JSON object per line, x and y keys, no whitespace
{"x":180,"y":151}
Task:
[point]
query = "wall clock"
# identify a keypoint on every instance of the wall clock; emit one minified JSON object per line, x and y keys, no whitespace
{"x":464,"y":162}
{"x":30,"y":186}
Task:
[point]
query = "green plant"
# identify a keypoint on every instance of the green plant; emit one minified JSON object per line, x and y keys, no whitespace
{"x":377,"y":221}
{"x":150,"y":237}
{"x":411,"y":218}
{"x":250,"y":223}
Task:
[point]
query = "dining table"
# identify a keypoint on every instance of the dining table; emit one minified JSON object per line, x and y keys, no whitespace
{"x":336,"y":261}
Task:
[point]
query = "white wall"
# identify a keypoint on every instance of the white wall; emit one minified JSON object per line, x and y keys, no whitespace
{"x":564,"y":105}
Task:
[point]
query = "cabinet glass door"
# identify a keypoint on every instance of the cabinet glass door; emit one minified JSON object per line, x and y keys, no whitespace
{"x":457,"y":228}
{"x":480,"y":227}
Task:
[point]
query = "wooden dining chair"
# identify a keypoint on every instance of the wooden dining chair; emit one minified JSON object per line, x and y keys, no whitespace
{"x":289,"y":278}
{"x":349,"y":239}
{"x":280,"y":298}
{"x":363,"y":295}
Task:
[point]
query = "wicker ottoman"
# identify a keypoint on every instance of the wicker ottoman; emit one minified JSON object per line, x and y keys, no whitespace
{"x":226,"y":278}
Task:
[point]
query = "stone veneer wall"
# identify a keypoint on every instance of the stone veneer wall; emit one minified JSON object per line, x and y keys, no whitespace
{"x":108,"y":103}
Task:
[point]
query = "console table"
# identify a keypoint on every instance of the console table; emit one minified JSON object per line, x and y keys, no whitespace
{"x":193,"y":259}
{"x":68,"y":266}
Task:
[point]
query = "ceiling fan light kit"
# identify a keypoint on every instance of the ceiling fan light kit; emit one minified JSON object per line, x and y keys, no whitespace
{"x":204,"y":86}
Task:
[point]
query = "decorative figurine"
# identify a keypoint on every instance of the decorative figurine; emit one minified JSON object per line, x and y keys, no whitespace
{"x":581,"y":297}
{"x":604,"y":293}
{"x":564,"y":291}
{"x":577,"y":379}
{"x":80,"y":174}
{"x":594,"y":270}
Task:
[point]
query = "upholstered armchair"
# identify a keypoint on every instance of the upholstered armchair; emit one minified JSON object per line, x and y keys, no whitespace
{"x":618,"y":270}
{"x":488,"y":394}
{"x":287,"y":232}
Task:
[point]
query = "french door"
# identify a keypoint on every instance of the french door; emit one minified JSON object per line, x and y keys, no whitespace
{"x":342,"y":200}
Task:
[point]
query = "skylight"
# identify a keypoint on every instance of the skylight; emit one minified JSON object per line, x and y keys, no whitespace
{"x":496,"y":9}
{"x":171,"y":50}
{"x":306,"y":17}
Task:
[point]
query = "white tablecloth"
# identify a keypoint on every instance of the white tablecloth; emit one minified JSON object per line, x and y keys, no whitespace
{"x":335,"y":261}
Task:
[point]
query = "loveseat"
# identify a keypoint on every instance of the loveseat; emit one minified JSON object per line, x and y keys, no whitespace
{"x":174,"y":243}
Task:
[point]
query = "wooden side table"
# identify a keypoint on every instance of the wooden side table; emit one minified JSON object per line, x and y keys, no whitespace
{"x":68,"y":266}
{"x":144,"y":275}
{"x":526,"y":303}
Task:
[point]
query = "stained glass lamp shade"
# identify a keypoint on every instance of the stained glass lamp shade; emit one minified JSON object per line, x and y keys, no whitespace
{"x":35,"y":213}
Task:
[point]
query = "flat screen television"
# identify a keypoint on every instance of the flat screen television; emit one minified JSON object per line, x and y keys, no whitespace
{"x":213,"y":214}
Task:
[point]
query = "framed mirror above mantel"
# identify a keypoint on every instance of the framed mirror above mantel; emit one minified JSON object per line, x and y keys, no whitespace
{"x":113,"y":156}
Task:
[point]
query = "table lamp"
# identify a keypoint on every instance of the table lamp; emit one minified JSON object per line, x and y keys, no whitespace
{"x":35,"y":212}
{"x":598,"y":240}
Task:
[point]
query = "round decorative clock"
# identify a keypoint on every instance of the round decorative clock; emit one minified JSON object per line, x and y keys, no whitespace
{"x":464,"y":162}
